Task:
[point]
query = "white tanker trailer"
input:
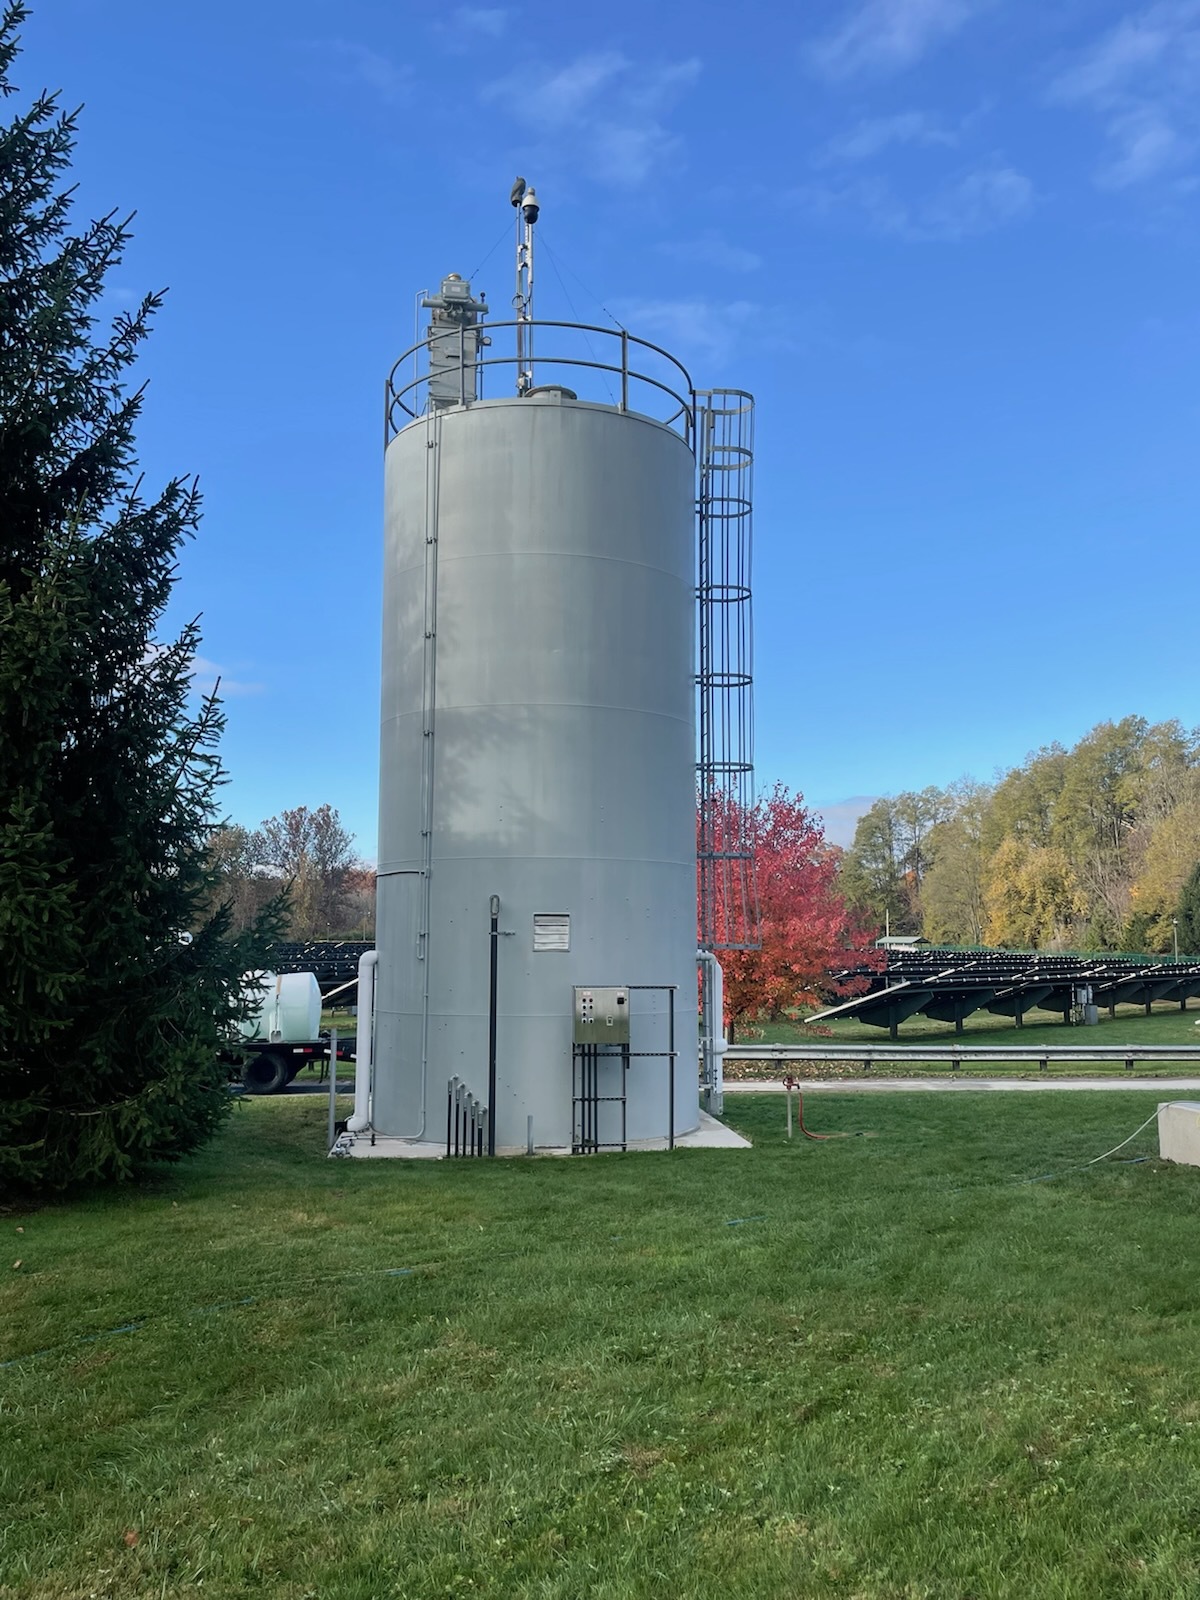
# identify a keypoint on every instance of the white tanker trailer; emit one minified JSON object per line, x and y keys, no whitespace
{"x":282,"y":1033}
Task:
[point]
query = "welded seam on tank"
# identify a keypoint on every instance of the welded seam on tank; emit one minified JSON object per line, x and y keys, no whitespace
{"x":512,"y":402}
{"x":564,"y":705}
{"x":489,"y":856}
{"x":474,"y":557}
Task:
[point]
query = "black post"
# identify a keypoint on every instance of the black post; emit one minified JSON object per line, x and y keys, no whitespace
{"x":585,"y":1100}
{"x":492,"y":990}
{"x":671,"y":1071}
{"x":592,"y":1107}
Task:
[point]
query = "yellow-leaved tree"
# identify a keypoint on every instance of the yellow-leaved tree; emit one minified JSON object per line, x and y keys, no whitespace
{"x":1172,"y":851}
{"x":1031,"y":896}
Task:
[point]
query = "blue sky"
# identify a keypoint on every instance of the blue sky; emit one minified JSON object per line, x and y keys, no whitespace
{"x":950,"y":245}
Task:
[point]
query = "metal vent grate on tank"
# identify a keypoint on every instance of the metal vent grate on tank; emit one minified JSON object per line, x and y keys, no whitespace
{"x":727,"y":885}
{"x":551,"y":931}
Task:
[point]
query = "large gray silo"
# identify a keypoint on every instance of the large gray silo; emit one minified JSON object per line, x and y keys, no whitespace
{"x":538,"y":732}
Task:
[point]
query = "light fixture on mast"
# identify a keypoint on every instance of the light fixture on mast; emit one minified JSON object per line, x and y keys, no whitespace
{"x":525,"y":203}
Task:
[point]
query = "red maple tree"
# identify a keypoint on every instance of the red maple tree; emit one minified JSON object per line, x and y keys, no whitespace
{"x":808,"y":931}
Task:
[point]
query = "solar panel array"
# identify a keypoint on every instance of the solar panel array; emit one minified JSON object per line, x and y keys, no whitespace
{"x":948,"y":985}
{"x":944,"y":985}
{"x":335,"y":961}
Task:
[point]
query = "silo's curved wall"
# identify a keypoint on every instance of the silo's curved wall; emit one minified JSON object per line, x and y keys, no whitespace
{"x":546,"y":546}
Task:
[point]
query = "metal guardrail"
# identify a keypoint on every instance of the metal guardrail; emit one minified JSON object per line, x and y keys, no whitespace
{"x":868,"y":1055}
{"x":403,"y":400}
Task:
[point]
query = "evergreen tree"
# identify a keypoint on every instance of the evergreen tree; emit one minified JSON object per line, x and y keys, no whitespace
{"x":109,"y":1019}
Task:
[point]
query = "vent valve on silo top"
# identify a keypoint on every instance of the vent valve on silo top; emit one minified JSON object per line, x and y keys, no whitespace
{"x":454,"y":340}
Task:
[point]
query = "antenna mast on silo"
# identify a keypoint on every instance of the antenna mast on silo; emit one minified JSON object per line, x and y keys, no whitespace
{"x":525,"y":203}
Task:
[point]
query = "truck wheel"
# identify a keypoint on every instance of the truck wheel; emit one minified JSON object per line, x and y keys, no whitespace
{"x":267,"y":1071}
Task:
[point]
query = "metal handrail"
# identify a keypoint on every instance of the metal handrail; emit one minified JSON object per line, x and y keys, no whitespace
{"x":395,"y":397}
{"x":868,"y":1053}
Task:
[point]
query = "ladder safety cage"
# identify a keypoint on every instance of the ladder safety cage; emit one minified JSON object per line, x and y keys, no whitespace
{"x":727,"y":880}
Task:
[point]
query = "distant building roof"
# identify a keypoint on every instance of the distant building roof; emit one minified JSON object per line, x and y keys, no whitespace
{"x":900,"y":941}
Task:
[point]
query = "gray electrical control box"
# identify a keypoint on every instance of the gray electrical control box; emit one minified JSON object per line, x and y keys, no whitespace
{"x":601,"y":1015}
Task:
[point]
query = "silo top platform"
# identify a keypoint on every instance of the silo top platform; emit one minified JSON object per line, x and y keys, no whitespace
{"x":450,"y":367}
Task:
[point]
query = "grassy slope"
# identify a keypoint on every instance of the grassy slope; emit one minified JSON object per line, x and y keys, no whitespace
{"x":875,"y":1367}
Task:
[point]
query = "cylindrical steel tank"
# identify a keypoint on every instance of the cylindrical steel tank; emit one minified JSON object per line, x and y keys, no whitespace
{"x":538,"y":745}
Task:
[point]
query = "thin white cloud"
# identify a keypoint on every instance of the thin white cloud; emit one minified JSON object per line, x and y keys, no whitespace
{"x":1137,"y":43}
{"x":873,"y":135}
{"x":982,"y":200}
{"x":490,"y":21}
{"x":712,"y":250}
{"x":887,"y":36}
{"x":1142,"y":78}
{"x":693,"y":329}
{"x":357,"y":66}
{"x":1146,"y":144}
{"x":841,"y":818}
{"x":601,"y":112}
{"x":470,"y":28}
{"x":207,"y":675}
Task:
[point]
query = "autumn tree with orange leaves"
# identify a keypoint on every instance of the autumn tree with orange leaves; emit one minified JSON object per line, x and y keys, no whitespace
{"x":808,"y":931}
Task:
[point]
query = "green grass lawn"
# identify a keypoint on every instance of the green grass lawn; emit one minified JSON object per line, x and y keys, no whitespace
{"x":885,"y":1366}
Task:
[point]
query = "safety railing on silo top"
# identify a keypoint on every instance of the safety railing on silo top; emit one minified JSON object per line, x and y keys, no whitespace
{"x":637,"y":376}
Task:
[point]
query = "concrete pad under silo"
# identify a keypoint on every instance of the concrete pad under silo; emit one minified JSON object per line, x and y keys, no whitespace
{"x":710,"y":1135}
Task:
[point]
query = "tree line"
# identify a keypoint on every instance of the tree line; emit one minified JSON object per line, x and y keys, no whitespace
{"x":307,"y":858}
{"x":1088,"y":848}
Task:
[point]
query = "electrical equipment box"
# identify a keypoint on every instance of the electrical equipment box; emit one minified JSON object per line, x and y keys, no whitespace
{"x":601,"y":1015}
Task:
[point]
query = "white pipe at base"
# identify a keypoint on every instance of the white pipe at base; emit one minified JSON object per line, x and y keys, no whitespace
{"x":364,"y":1050}
{"x":714,"y":1043}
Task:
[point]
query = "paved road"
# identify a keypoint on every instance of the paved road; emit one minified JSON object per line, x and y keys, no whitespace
{"x":1168,"y":1087}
